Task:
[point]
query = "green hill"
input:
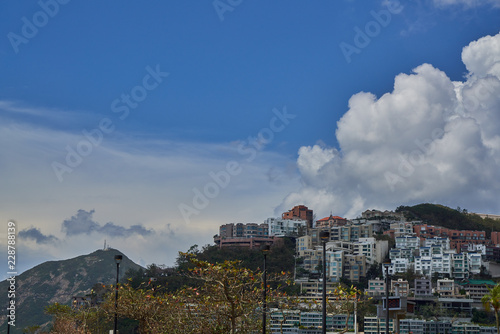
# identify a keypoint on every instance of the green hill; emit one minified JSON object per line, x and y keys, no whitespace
{"x":59,"y":281}
{"x":440,"y":215}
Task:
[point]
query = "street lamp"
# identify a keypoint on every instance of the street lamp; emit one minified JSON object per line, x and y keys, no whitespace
{"x":264,"y":249}
{"x":118,"y":259}
{"x":386,"y":266}
{"x":325,"y":237}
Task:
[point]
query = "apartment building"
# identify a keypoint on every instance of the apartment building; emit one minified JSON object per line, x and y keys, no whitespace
{"x":307,"y":322}
{"x":242,"y":230}
{"x":376,"y":287}
{"x":398,"y":265}
{"x":457,"y":305}
{"x":400,"y":287}
{"x":416,"y":326}
{"x":413,"y":326}
{"x":457,"y":237}
{"x":332,"y":221}
{"x":249,"y":235}
{"x":476,"y":289}
{"x":301,"y":212}
{"x":354,"y":267}
{"x":468,"y":328}
{"x":423,"y":265}
{"x":422,"y":287}
{"x":404,"y":253}
{"x":495,"y":238}
{"x":492,"y":253}
{"x":437,"y":241}
{"x":407,"y":242}
{"x":303,"y":243}
{"x":475,"y":262}
{"x":373,"y":250}
{"x":376,"y":325}
{"x":401,"y":228}
{"x":460,"y":266}
{"x":335,"y":267}
{"x":446,"y":287}
{"x":286,"y":227}
{"x":313,"y":261}
{"x":314,"y":288}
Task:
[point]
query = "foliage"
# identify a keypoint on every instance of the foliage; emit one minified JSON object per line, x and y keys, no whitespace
{"x":346,"y":300}
{"x":279,"y":259}
{"x":441,"y":215}
{"x":482,"y":317}
{"x":236,"y":291}
{"x":491,"y":301}
{"x":64,"y":319}
{"x":431,"y":311}
{"x":228,"y":300}
{"x":32,"y":329}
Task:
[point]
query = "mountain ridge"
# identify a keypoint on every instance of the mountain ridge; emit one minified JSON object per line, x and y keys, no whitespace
{"x":58,"y":281}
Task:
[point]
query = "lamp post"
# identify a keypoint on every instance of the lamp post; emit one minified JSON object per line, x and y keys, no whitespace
{"x":386,"y":266}
{"x":118,"y":259}
{"x":264,"y":249}
{"x":325,"y":237}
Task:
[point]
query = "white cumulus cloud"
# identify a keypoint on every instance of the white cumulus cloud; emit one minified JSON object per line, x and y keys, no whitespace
{"x":429,"y":140}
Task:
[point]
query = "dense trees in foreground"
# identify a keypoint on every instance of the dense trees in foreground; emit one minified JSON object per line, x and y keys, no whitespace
{"x":227,"y":299}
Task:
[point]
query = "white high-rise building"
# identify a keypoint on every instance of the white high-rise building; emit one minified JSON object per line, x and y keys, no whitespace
{"x":284,"y":227}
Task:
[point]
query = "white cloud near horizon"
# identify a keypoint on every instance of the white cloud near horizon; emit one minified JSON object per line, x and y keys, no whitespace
{"x":429,"y":140}
{"x":136,"y":182}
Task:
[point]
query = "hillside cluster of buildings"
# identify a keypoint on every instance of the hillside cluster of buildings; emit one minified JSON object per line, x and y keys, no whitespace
{"x":444,"y":260}
{"x":354,"y":245}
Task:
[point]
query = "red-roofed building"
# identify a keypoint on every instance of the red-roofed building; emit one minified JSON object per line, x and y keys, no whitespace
{"x":331,"y":221}
{"x":300,"y":212}
{"x":457,"y":237}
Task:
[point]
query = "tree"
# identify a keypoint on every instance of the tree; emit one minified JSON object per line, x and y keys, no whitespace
{"x":226,"y":299}
{"x":32,"y":330}
{"x":230,"y":293}
{"x":491,"y":301}
{"x":65,"y":321}
{"x":431,"y":311}
{"x":155,"y":312}
{"x":345,"y":300}
{"x":286,"y":306}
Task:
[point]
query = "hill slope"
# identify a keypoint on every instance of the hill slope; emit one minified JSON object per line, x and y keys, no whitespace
{"x":440,"y":215}
{"x":59,"y":281}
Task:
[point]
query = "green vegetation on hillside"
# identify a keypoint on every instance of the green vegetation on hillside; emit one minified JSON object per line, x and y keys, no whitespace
{"x":440,"y":215}
{"x":280,"y":259}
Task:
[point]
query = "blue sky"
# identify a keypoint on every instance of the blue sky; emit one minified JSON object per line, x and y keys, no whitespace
{"x":204,"y":78}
